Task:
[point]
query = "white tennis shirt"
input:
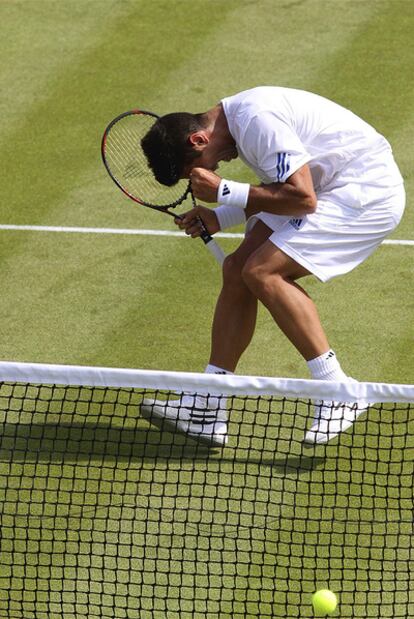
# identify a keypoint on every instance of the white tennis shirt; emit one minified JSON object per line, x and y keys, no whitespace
{"x":277,"y":130}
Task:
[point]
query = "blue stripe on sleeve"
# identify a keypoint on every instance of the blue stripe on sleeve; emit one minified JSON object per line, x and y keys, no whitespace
{"x":287,"y":164}
{"x":279,"y":166}
{"x":283,"y":166}
{"x":283,"y":156}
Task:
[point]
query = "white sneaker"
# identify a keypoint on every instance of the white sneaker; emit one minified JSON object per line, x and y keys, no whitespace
{"x":202,"y":417}
{"x":332,"y":418}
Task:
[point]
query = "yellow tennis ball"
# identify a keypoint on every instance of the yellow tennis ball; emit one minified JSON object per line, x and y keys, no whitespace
{"x":324,"y":602}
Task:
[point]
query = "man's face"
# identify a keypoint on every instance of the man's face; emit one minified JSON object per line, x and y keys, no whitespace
{"x":211,"y":150}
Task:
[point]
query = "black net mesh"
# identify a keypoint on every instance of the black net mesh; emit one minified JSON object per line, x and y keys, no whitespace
{"x":104,"y":515}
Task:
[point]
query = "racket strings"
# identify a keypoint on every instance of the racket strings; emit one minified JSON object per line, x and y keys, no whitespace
{"x":128,"y":165}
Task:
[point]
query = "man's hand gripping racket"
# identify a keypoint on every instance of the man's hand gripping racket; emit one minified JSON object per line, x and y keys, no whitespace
{"x":127,"y":165}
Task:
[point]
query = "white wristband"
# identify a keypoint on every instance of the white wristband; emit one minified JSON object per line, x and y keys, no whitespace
{"x":229,"y":216}
{"x":233,"y":194}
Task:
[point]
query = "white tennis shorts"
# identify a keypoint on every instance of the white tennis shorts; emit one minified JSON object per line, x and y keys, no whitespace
{"x":350,"y":222}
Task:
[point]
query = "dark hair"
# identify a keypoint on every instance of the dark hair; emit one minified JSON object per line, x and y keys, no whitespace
{"x":166,"y":145}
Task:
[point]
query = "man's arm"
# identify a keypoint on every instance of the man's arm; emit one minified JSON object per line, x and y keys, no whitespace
{"x":294,"y":197}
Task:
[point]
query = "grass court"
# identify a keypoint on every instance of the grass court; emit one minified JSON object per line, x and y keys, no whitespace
{"x":143,"y":301}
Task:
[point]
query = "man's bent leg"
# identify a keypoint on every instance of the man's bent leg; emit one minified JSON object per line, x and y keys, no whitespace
{"x":202,"y":417}
{"x":236,"y":310}
{"x":270,"y":275}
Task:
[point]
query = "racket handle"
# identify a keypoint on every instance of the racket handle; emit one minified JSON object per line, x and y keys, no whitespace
{"x":207,"y":239}
{"x":214,"y":248}
{"x":211,"y":244}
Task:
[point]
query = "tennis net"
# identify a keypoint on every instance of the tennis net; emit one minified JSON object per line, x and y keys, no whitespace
{"x":107,"y":513}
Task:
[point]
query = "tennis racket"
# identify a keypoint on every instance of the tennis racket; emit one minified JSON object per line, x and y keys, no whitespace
{"x":127,"y":165}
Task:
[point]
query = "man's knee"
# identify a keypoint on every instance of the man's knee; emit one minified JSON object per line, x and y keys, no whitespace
{"x":258,"y":273}
{"x":255,"y":274}
{"x":232,"y":270}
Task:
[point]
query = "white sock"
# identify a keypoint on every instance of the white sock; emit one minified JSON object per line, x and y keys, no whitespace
{"x":326,"y":367}
{"x":213,"y":369}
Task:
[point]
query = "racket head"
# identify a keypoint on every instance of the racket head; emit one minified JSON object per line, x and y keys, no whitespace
{"x":126,"y":164}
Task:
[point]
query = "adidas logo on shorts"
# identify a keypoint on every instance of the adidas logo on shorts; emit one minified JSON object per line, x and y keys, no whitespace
{"x":296,"y":223}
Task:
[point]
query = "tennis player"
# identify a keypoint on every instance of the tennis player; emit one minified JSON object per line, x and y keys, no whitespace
{"x":329,"y":192}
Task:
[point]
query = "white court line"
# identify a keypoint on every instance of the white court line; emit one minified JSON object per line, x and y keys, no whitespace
{"x":132,"y":231}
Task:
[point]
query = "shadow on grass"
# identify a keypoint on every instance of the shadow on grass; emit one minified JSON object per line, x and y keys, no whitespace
{"x":90,"y":442}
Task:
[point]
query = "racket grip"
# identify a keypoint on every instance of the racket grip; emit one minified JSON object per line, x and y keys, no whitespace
{"x":214,"y":249}
{"x":211,"y":244}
